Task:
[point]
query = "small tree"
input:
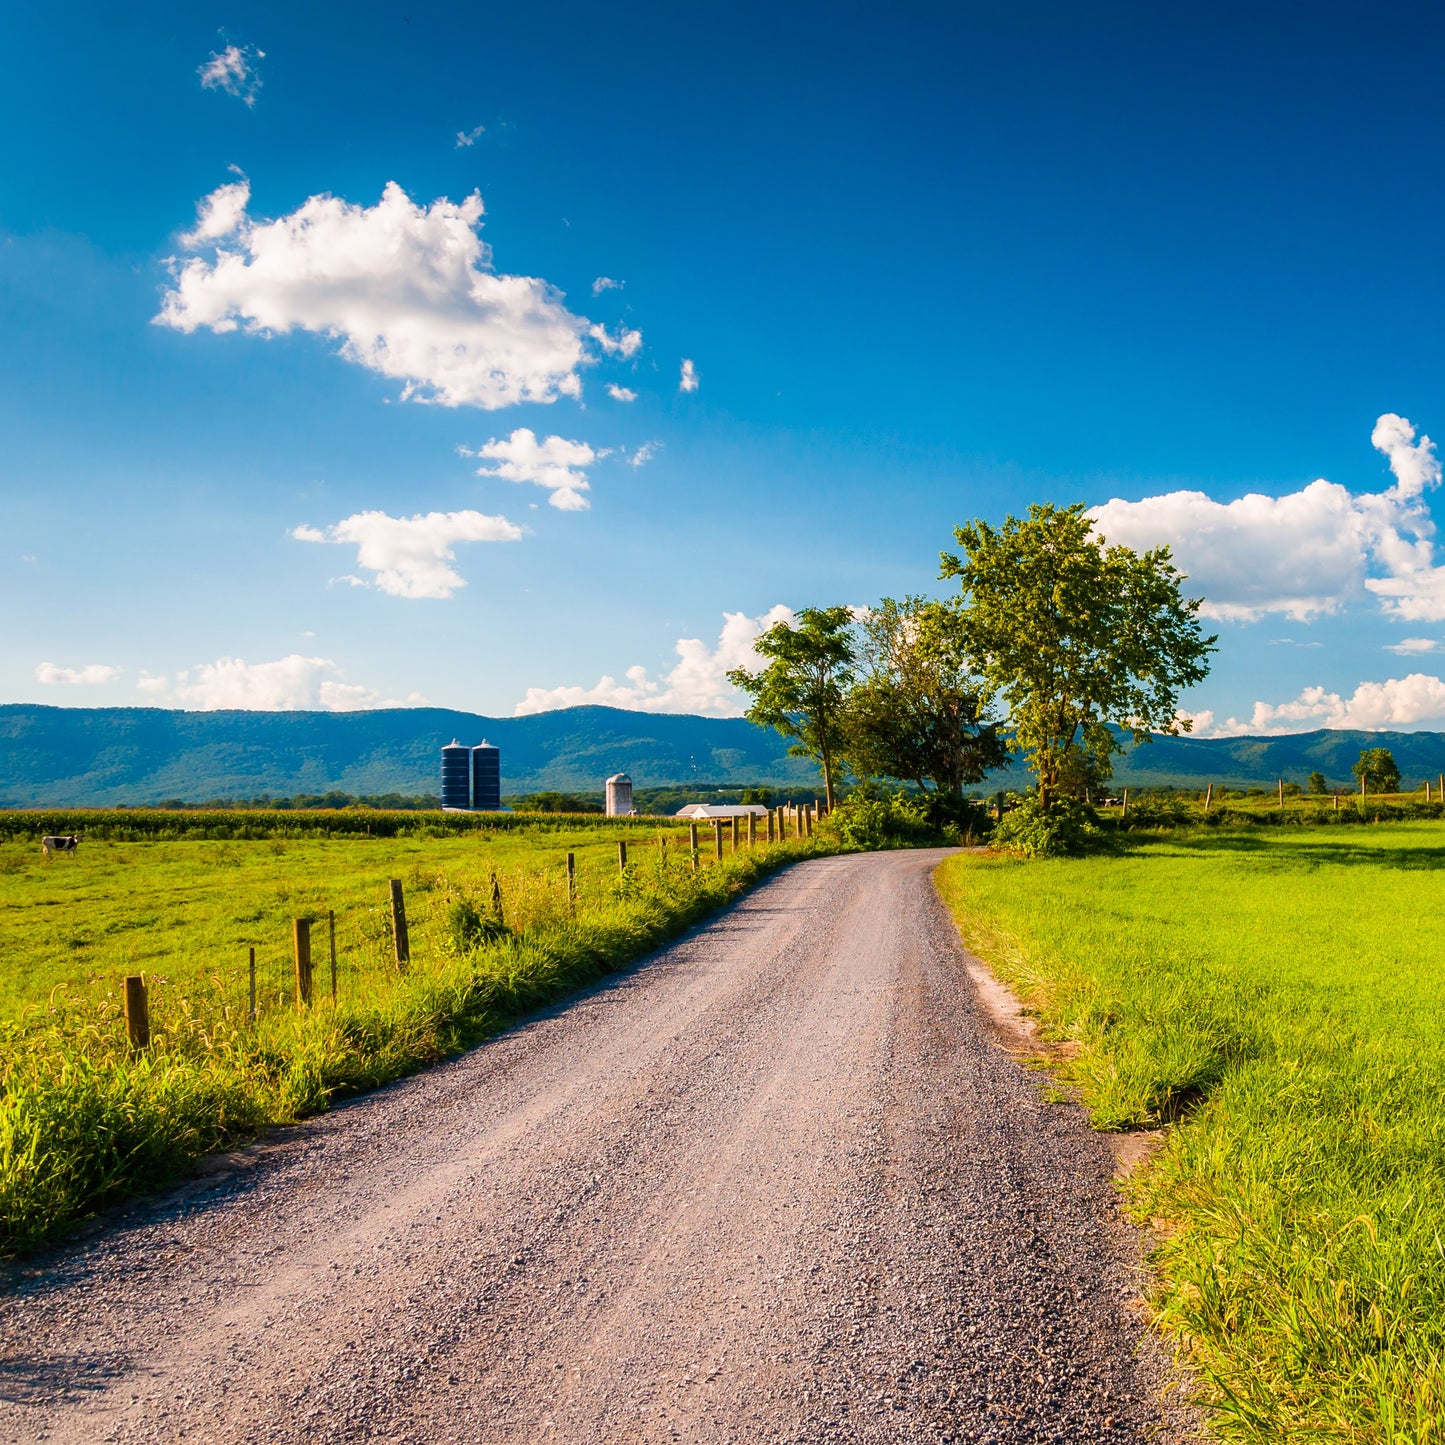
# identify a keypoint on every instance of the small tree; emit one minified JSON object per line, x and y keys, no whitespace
{"x":1376,"y":769}
{"x":1316,"y":786}
{"x":802,"y":689}
{"x":919,"y":714}
{"x":1075,"y":636}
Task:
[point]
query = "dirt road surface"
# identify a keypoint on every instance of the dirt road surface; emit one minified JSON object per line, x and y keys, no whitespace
{"x":779,"y":1183}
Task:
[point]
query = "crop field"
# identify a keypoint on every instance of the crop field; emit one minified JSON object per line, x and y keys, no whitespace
{"x":494,"y":932}
{"x":1275,"y":996}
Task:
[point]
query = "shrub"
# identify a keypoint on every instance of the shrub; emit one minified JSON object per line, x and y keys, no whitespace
{"x":868,"y":820}
{"x":1068,"y":827}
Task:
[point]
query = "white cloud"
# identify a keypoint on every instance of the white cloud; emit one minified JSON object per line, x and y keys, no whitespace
{"x":234,"y":71}
{"x":408,"y":290}
{"x":554,"y":463}
{"x":94,"y":674}
{"x":606,"y":283}
{"x":152,"y":681}
{"x":411,"y":556}
{"x":1413,"y":646}
{"x":467,"y":138}
{"x":1307,"y":553}
{"x":688,"y":381}
{"x":620,"y":393}
{"x":645,"y":453}
{"x":624,"y":344}
{"x":1399,"y":702}
{"x":219,"y":214}
{"x":290,"y":684}
{"x":697,"y":684}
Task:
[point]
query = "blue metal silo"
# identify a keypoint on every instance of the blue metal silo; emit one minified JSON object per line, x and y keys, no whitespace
{"x":486,"y":776}
{"x":456,"y":780}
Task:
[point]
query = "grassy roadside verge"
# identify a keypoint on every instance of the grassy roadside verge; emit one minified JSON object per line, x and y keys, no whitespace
{"x":84,"y":1122}
{"x":1275,"y":996}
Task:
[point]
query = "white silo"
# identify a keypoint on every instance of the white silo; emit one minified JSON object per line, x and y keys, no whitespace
{"x":619,"y":796}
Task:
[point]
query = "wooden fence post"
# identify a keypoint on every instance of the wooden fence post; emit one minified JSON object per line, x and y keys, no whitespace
{"x":1281,"y":792}
{"x":733,"y":825}
{"x":399,"y":935}
{"x":752,"y":830}
{"x":1362,"y":787}
{"x":1124,"y":810}
{"x":622,"y":856}
{"x":571,"y":882}
{"x":717,"y":837}
{"x":1208,"y":796}
{"x":692,"y":843}
{"x":301,"y":937}
{"x":771,"y":826}
{"x":331,"y":932}
{"x":251,"y":970}
{"x":137,"y":1012}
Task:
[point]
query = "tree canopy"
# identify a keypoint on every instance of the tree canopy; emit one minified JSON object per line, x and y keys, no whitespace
{"x":802,"y":690}
{"x":918,"y":713}
{"x":1075,"y":636}
{"x":1376,"y":769}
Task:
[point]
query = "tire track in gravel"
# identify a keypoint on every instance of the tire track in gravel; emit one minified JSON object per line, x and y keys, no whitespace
{"x":776,"y":1183}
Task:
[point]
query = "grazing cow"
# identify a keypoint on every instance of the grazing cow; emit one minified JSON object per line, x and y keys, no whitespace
{"x":54,"y":843}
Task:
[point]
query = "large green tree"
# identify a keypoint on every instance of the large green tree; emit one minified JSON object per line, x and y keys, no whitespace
{"x":1376,"y":769}
{"x":1075,"y":635}
{"x":917,"y":712}
{"x":803,"y":687}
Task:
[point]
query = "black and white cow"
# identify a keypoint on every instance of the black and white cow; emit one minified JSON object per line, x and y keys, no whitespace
{"x":56,"y":843}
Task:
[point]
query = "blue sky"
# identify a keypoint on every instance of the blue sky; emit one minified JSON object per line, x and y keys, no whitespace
{"x":289,"y":419}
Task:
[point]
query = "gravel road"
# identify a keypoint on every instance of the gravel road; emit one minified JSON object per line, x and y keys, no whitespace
{"x":778,"y":1183}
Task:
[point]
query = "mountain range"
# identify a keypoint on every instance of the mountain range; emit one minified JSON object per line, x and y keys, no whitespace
{"x":98,"y":757}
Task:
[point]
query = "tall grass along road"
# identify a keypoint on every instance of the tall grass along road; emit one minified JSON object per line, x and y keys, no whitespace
{"x":775,"y":1183}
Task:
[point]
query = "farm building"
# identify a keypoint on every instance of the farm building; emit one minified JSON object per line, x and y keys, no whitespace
{"x":700,"y":811}
{"x":619,"y":796}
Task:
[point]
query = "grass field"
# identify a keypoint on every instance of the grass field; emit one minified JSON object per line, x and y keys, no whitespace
{"x":1275,"y":995}
{"x":84,"y":1119}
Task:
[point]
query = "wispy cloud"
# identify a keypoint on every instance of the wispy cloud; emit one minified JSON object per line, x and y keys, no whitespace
{"x":290,"y":684}
{"x":688,"y":380}
{"x":606,"y":283}
{"x":620,"y":393}
{"x":697,"y":684}
{"x":1413,"y":646}
{"x":645,"y":453}
{"x":234,"y":71}
{"x":467,"y":138}
{"x":93,"y":674}
{"x":411,"y":556}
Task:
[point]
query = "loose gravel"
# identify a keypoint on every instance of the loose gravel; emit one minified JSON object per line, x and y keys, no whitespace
{"x":778,"y":1183}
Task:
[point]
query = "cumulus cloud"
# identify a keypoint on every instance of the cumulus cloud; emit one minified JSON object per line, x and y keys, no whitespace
{"x":467,"y":138}
{"x":91,"y":675}
{"x":688,"y":381}
{"x":218,"y":215}
{"x":555,"y":464}
{"x":606,"y":283}
{"x":1399,"y":702}
{"x":234,"y":71}
{"x":620,"y":393}
{"x":412,"y":556}
{"x":696,"y":684}
{"x":290,"y":684}
{"x":1307,"y":553}
{"x":409,"y":291}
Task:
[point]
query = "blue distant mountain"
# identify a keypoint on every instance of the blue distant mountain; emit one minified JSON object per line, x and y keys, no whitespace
{"x":78,"y":757}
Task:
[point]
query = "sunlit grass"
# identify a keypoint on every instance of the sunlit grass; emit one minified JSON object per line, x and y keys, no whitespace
{"x":1275,"y":996}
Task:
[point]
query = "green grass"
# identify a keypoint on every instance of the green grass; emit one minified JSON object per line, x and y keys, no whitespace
{"x":84,"y":1121}
{"x":1276,"y":996}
